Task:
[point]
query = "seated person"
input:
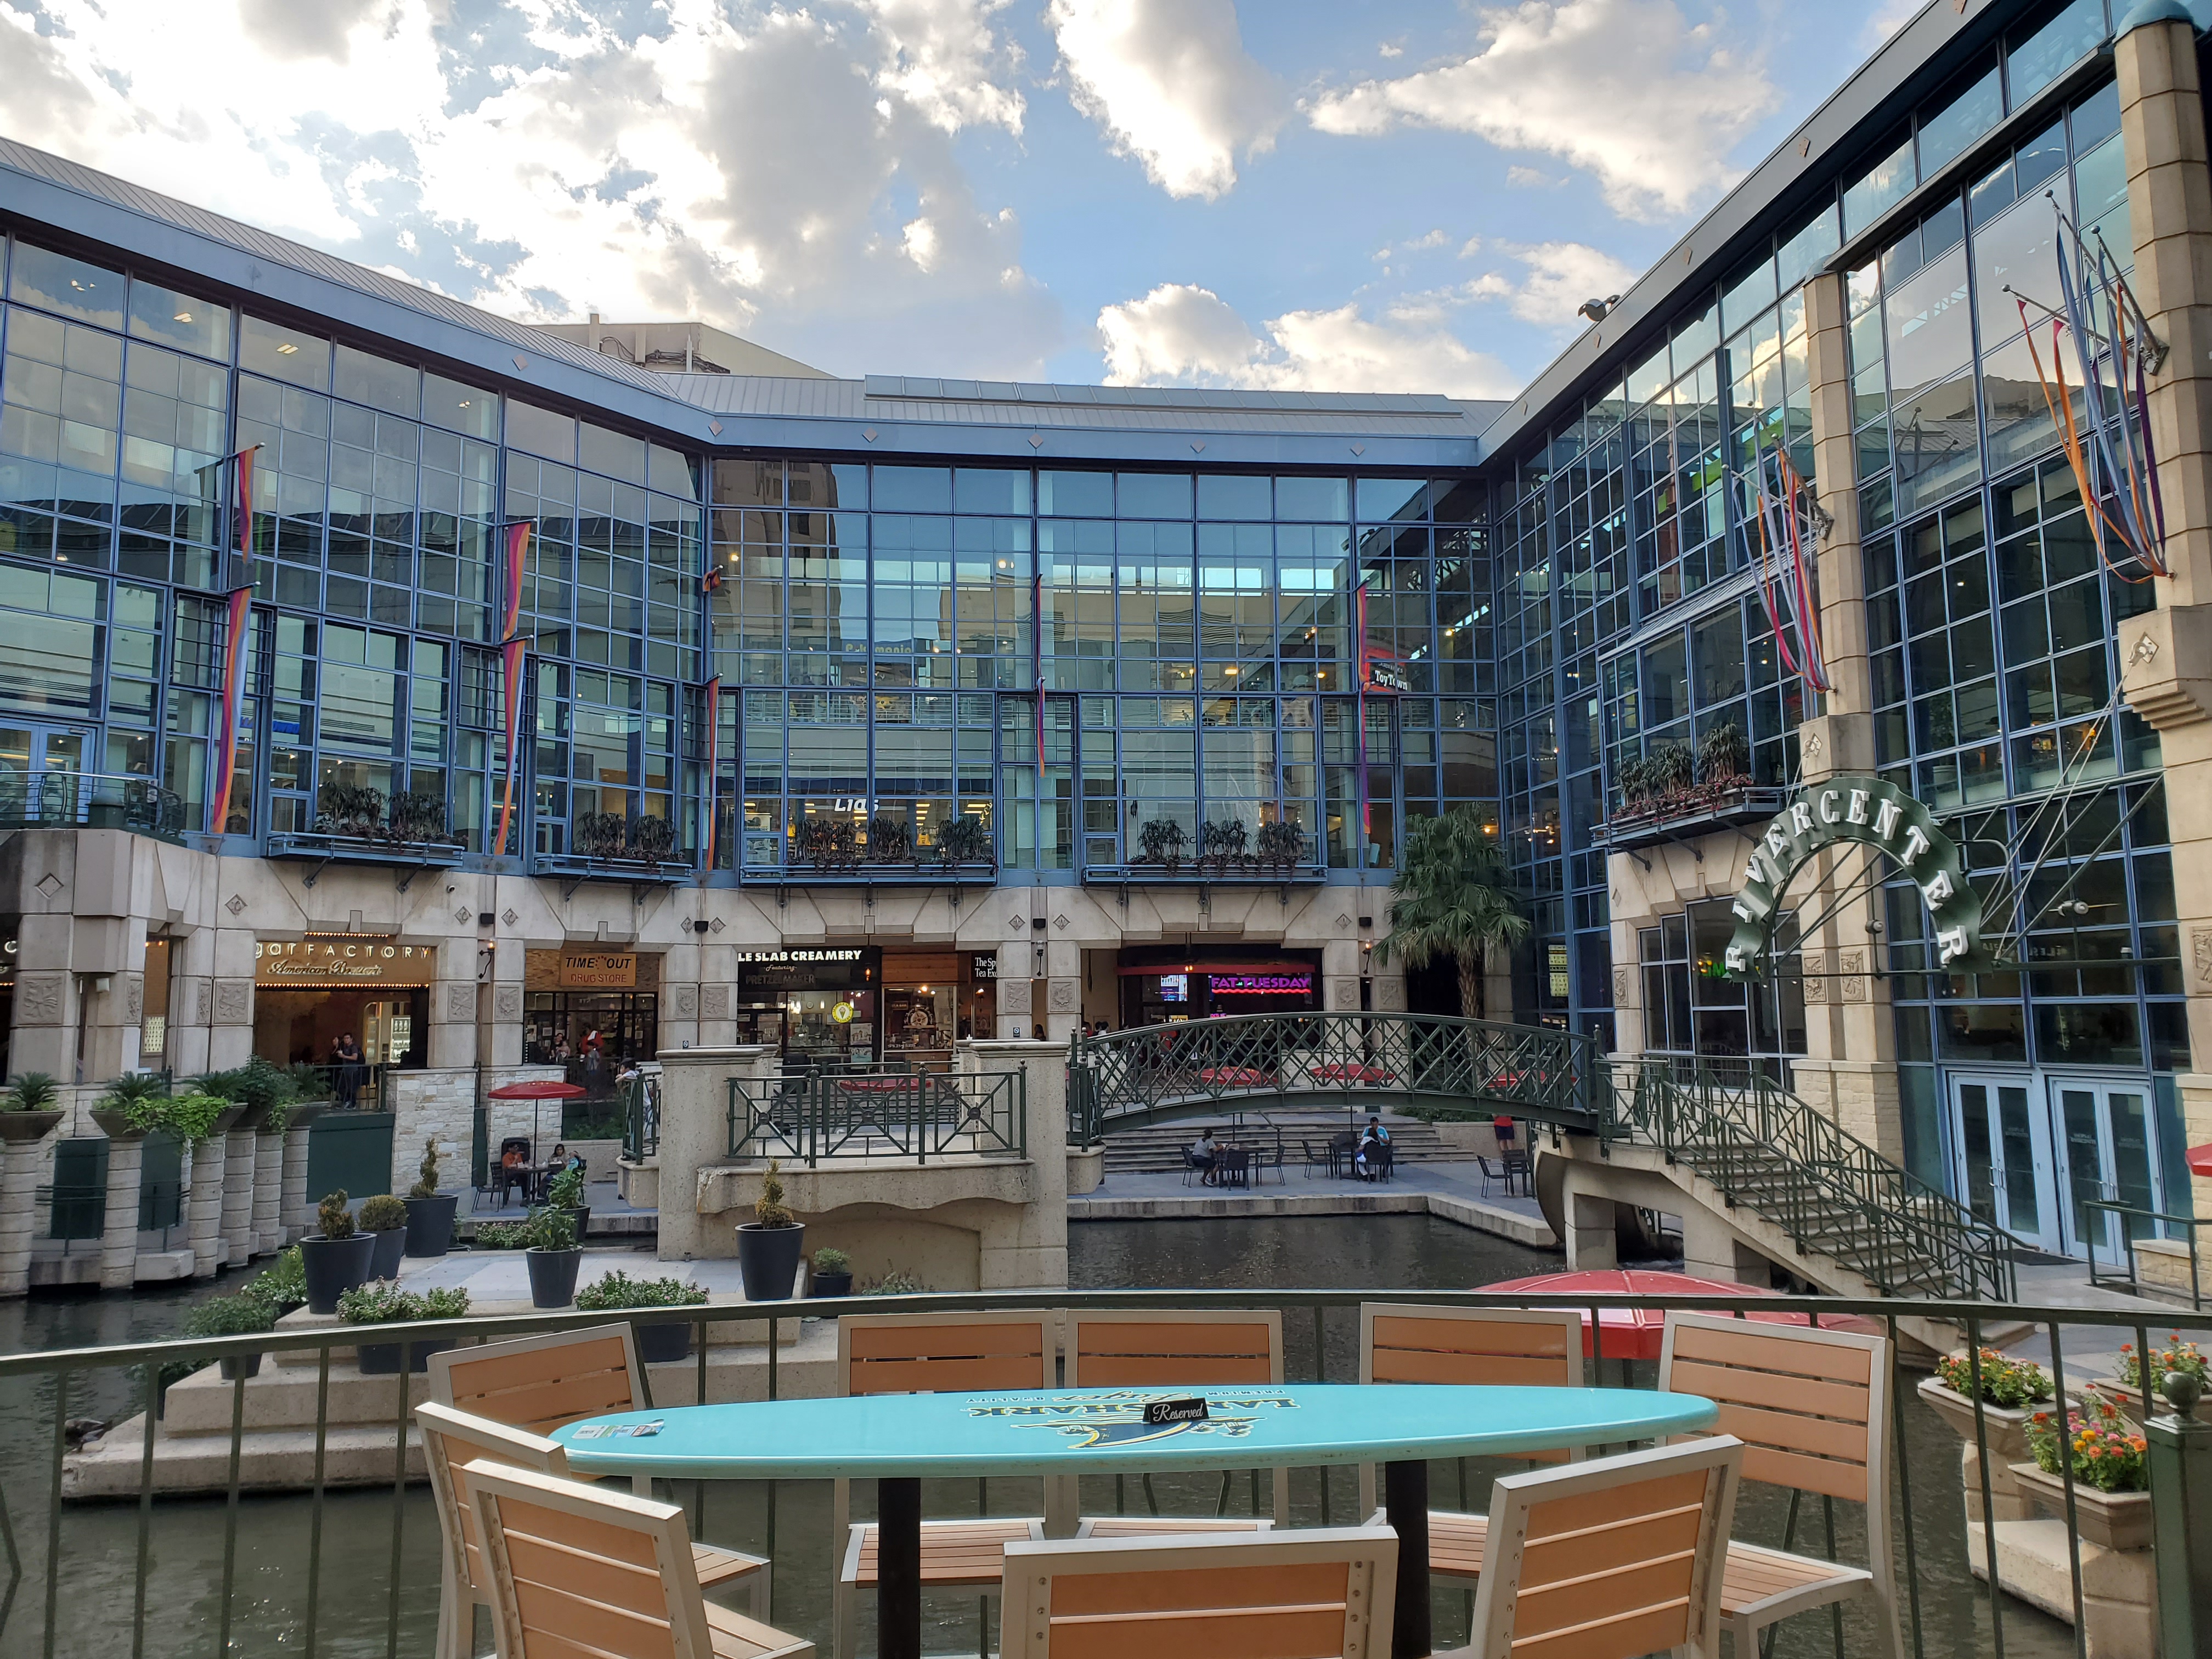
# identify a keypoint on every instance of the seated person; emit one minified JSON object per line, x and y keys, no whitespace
{"x":1366,"y":1161}
{"x":1201,"y":1155}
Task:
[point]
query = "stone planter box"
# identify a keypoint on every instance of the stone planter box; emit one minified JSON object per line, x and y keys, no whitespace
{"x":2127,"y":1399}
{"x":2117,"y":1520}
{"x":2006,"y":1429}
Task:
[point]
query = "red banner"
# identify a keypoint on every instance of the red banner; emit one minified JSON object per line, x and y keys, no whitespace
{"x":517,"y":547}
{"x":514,"y":655}
{"x":233,"y":662}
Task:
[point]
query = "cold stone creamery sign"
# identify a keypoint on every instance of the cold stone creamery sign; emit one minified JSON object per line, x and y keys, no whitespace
{"x":348,"y":959}
{"x":1874,"y":814}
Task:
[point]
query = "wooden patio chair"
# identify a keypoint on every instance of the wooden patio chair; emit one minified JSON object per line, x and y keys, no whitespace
{"x":1612,"y":1559}
{"x":933,"y":1354}
{"x":452,"y":1438}
{"x":1530,"y":1347}
{"x":577,"y":1569}
{"x":1280,"y":1595}
{"x":1812,"y":1409}
{"x":1147,"y":1350}
{"x":540,"y":1383}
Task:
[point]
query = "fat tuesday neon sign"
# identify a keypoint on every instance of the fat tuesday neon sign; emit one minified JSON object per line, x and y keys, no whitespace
{"x":1871,"y":813}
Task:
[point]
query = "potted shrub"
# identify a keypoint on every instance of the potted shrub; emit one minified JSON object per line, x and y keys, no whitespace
{"x":2112,"y":1481}
{"x":833,"y":1273}
{"x":566,"y":1192}
{"x":430,"y":1212}
{"x":385,"y":1303}
{"x":240,"y":1315}
{"x":552,"y":1256}
{"x":768,"y":1246}
{"x":30,"y":1109}
{"x":338,"y":1258}
{"x":501,"y":1235}
{"x":281,"y":1286}
{"x":896,"y":1283}
{"x":384,"y":1218}
{"x":658,"y":1344}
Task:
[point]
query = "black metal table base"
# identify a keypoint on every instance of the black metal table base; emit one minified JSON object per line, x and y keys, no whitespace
{"x":898,"y":1570}
{"x":1405,"y":1507}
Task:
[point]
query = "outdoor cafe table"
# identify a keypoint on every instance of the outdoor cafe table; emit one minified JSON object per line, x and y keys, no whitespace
{"x":899,"y":1440}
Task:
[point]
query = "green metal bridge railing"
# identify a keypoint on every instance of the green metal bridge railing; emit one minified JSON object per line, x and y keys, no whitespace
{"x":909,"y":1115}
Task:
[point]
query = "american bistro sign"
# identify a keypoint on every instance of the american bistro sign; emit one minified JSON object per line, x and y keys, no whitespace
{"x":1871,"y":813}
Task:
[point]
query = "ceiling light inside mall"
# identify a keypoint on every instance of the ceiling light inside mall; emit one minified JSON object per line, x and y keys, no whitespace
{"x":287,"y":350}
{"x":182,"y":317}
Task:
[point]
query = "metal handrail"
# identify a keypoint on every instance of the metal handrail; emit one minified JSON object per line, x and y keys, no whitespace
{"x":1827,"y":1190}
{"x":1159,"y":1072}
{"x":642,"y":1121}
{"x":2134,"y":1280}
{"x":918,"y":1114}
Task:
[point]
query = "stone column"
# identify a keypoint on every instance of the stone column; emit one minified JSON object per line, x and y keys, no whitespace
{"x":192,"y":998}
{"x":230,"y":1030}
{"x":1034,"y":1252}
{"x":22,"y":1145}
{"x":695,"y":1134}
{"x":205,"y":1197}
{"x":1593,"y":1242}
{"x":1063,"y":1011}
{"x":455,"y":1017}
{"x":268,"y":1189}
{"x":238,"y":1235}
{"x":119,"y":1235}
{"x":293,"y":1212}
{"x":2165,"y":656}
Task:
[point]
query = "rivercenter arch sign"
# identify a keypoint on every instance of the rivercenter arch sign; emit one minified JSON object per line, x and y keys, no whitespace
{"x":1872,"y":813}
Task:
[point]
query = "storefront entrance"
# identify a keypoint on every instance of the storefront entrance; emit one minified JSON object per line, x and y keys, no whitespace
{"x":2031,"y":1151}
{"x":1164,"y":986}
{"x":816,"y":1005}
{"x":309,"y":992}
{"x":2003,"y":1156}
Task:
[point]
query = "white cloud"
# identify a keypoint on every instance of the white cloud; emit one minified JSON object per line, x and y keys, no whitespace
{"x":1887,"y":19}
{"x":1531,"y":178}
{"x":1555,"y":278}
{"x":1628,"y":90}
{"x":1169,"y":80}
{"x":769,"y":171}
{"x":1182,"y":334}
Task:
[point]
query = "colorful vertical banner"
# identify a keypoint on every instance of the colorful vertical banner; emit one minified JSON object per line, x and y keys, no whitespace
{"x":1359,"y":711}
{"x":1036,"y":672}
{"x":714,"y":765}
{"x":234,"y":661}
{"x":512,"y":653}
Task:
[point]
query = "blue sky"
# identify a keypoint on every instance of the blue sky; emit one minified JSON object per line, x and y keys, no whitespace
{"x":1365,"y":195}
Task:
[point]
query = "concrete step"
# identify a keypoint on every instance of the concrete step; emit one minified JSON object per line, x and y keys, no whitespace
{"x":1158,"y":1148}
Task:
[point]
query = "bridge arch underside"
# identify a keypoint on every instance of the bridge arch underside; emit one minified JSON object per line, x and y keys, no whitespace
{"x":1353,"y":1102}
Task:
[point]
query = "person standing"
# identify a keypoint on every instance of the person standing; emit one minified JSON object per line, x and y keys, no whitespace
{"x":595,"y":1058}
{"x":345,"y":1071}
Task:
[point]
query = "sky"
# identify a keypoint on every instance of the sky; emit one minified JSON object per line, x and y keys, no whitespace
{"x":1332,"y":195}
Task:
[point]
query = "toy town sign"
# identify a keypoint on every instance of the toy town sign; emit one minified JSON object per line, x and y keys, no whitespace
{"x":1872,"y":813}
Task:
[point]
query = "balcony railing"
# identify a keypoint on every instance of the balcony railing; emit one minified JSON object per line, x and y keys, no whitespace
{"x":905,"y":1115}
{"x":1690,"y":812}
{"x":91,"y":800}
{"x":337,"y":1552}
{"x":641,"y":1120}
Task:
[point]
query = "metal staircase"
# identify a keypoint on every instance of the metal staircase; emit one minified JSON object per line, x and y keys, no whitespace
{"x":1768,"y":1152}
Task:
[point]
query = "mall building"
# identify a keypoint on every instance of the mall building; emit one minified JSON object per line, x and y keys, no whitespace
{"x":609,"y":688}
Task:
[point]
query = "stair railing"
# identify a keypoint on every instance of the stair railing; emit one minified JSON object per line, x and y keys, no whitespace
{"x":1827,"y":1190}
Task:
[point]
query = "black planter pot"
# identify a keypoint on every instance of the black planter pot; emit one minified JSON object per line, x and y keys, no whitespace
{"x":660,"y":1345}
{"x":552,"y":1276}
{"x":581,"y":1216}
{"x":245,"y":1365}
{"x":382,"y":1358}
{"x":430,"y":1224}
{"x":383,"y":1260}
{"x":335,"y":1266}
{"x":826,"y":1285}
{"x":768,"y":1260}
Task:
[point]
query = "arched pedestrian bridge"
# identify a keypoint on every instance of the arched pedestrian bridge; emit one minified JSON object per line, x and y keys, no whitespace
{"x":1351,"y":1061}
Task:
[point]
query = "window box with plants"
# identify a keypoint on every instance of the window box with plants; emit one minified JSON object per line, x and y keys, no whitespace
{"x":353,"y":825}
{"x":618,"y":845}
{"x":267,"y":1095}
{"x":385,"y":1303}
{"x":430,"y":1212}
{"x":1671,"y":792}
{"x":770,"y":1244}
{"x":384,"y":1218}
{"x":335,"y":1259}
{"x":30,"y":1109}
{"x":2111,"y":1479}
{"x":2012,"y":1391}
{"x":552,"y":1256}
{"x":660,"y":1342}
{"x":2124,"y":1388}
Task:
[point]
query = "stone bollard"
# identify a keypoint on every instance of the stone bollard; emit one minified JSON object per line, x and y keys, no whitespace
{"x":119,"y":1232}
{"x":203,"y":1200}
{"x":22,"y":1142}
{"x":293,"y":1212}
{"x":269,"y":1189}
{"x":2180,"y":1462}
{"x":237,"y":1239}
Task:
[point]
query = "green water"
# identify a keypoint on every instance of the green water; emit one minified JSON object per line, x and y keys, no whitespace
{"x":361,"y":1611}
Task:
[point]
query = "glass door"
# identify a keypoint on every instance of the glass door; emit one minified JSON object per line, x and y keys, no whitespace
{"x":31,"y":758}
{"x":2109,"y":1155}
{"x":2001,"y":1150}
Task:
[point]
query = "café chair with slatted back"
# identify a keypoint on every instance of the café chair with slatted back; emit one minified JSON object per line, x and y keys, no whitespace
{"x":1327,"y":1593}
{"x":541,"y":1383}
{"x":933,"y":1353}
{"x":1526,"y":1347}
{"x":1125,"y":1349}
{"x":1812,"y":1408}
{"x":577,"y":1569}
{"x":1612,"y":1559}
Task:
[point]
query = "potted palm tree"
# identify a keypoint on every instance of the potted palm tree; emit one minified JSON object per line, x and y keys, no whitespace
{"x":430,"y":1212}
{"x":1449,"y":901}
{"x":552,"y":1256}
{"x":30,"y":1109}
{"x":336,"y":1260}
{"x":769,"y":1245}
{"x":384,"y":1218}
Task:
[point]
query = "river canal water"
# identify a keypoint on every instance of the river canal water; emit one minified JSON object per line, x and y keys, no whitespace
{"x":355,"y":1591}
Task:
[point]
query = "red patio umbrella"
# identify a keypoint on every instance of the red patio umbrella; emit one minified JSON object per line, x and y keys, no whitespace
{"x":534,"y":1090}
{"x":2200,"y":1160}
{"x":1637,"y":1333}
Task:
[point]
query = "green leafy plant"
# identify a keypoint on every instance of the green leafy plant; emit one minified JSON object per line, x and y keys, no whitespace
{"x":565,"y":1190}
{"x":190,"y":1118}
{"x":770,"y":1210}
{"x":651,"y":838}
{"x":1673,"y":769}
{"x":549,"y":1228}
{"x":2106,"y":1454}
{"x":283,"y":1284}
{"x":619,"y":1290}
{"x":1160,"y":841}
{"x":382,"y":1214}
{"x":2177,"y":1356}
{"x":1723,"y":756}
{"x":1281,"y":843}
{"x":501,"y":1235}
{"x":32,"y":1092}
{"x":385,"y":1303}
{"x":309,"y":1082}
{"x":832,"y":1261}
{"x":426,"y":1182}
{"x":260,"y":1084}
{"x":335,"y":1220}
{"x":896,"y":1283}
{"x":419,"y":815}
{"x":238,"y":1314}
{"x":2008,"y":1383}
{"x":1450,"y":901}
{"x":964,"y":840}
{"x":352,"y":810}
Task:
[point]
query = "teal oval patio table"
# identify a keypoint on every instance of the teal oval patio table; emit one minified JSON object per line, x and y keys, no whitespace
{"x":899,"y":1439}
